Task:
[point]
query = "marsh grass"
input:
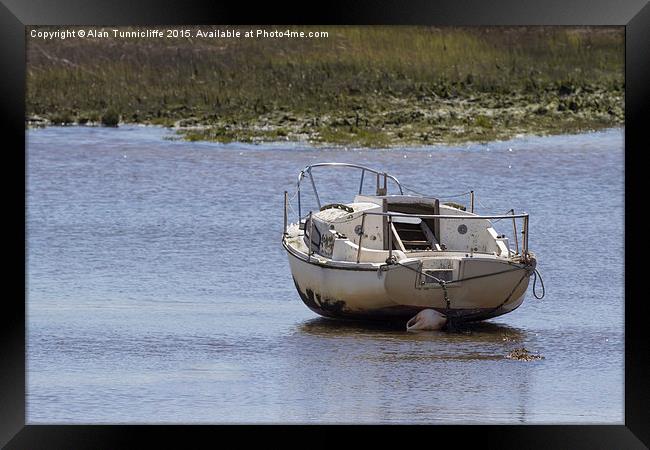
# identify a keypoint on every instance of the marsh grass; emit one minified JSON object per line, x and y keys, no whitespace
{"x":357,"y":84}
{"x":110,"y":118}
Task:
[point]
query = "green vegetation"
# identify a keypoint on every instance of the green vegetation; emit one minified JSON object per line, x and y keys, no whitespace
{"x":362,"y":86}
{"x":111,"y":118}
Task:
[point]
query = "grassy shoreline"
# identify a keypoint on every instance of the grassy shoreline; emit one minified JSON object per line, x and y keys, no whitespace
{"x":362,"y":86}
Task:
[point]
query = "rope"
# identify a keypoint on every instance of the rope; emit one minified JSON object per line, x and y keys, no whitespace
{"x":504,"y":214}
{"x":445,"y":197}
{"x":439,"y":281}
{"x":511,"y":292}
{"x":443,"y":284}
{"x":537,"y":274}
{"x":414,"y":191}
{"x":293,"y":211}
{"x":289,"y":200}
{"x":440,"y":197}
{"x":478,"y":200}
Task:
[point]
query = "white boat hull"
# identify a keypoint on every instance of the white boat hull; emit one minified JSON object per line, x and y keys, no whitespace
{"x":397,"y":291}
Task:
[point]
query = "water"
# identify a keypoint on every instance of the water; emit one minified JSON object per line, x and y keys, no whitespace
{"x":158,"y":291}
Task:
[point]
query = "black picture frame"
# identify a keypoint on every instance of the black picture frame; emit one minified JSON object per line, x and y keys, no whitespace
{"x":15,"y":15}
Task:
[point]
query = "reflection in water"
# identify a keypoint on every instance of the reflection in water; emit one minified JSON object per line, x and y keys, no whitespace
{"x":427,"y":373}
{"x":471,"y":331}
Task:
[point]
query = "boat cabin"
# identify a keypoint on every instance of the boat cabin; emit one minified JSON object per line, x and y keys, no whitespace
{"x":371,"y":225}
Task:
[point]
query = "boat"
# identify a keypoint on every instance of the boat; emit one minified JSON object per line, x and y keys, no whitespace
{"x":389,"y":256}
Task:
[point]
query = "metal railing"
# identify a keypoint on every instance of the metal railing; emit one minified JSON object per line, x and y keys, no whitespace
{"x":511,"y":215}
{"x":471,"y":201}
{"x":381,"y":190}
{"x":286,"y":212}
{"x":390,"y":216}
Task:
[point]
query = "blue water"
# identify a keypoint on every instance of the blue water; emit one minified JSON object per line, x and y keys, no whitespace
{"x":158,"y":291}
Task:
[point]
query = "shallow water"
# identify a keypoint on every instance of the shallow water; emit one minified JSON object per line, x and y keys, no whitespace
{"x":158,"y":291}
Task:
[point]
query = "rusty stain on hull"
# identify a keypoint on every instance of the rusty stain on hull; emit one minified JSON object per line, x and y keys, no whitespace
{"x":326,"y":307}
